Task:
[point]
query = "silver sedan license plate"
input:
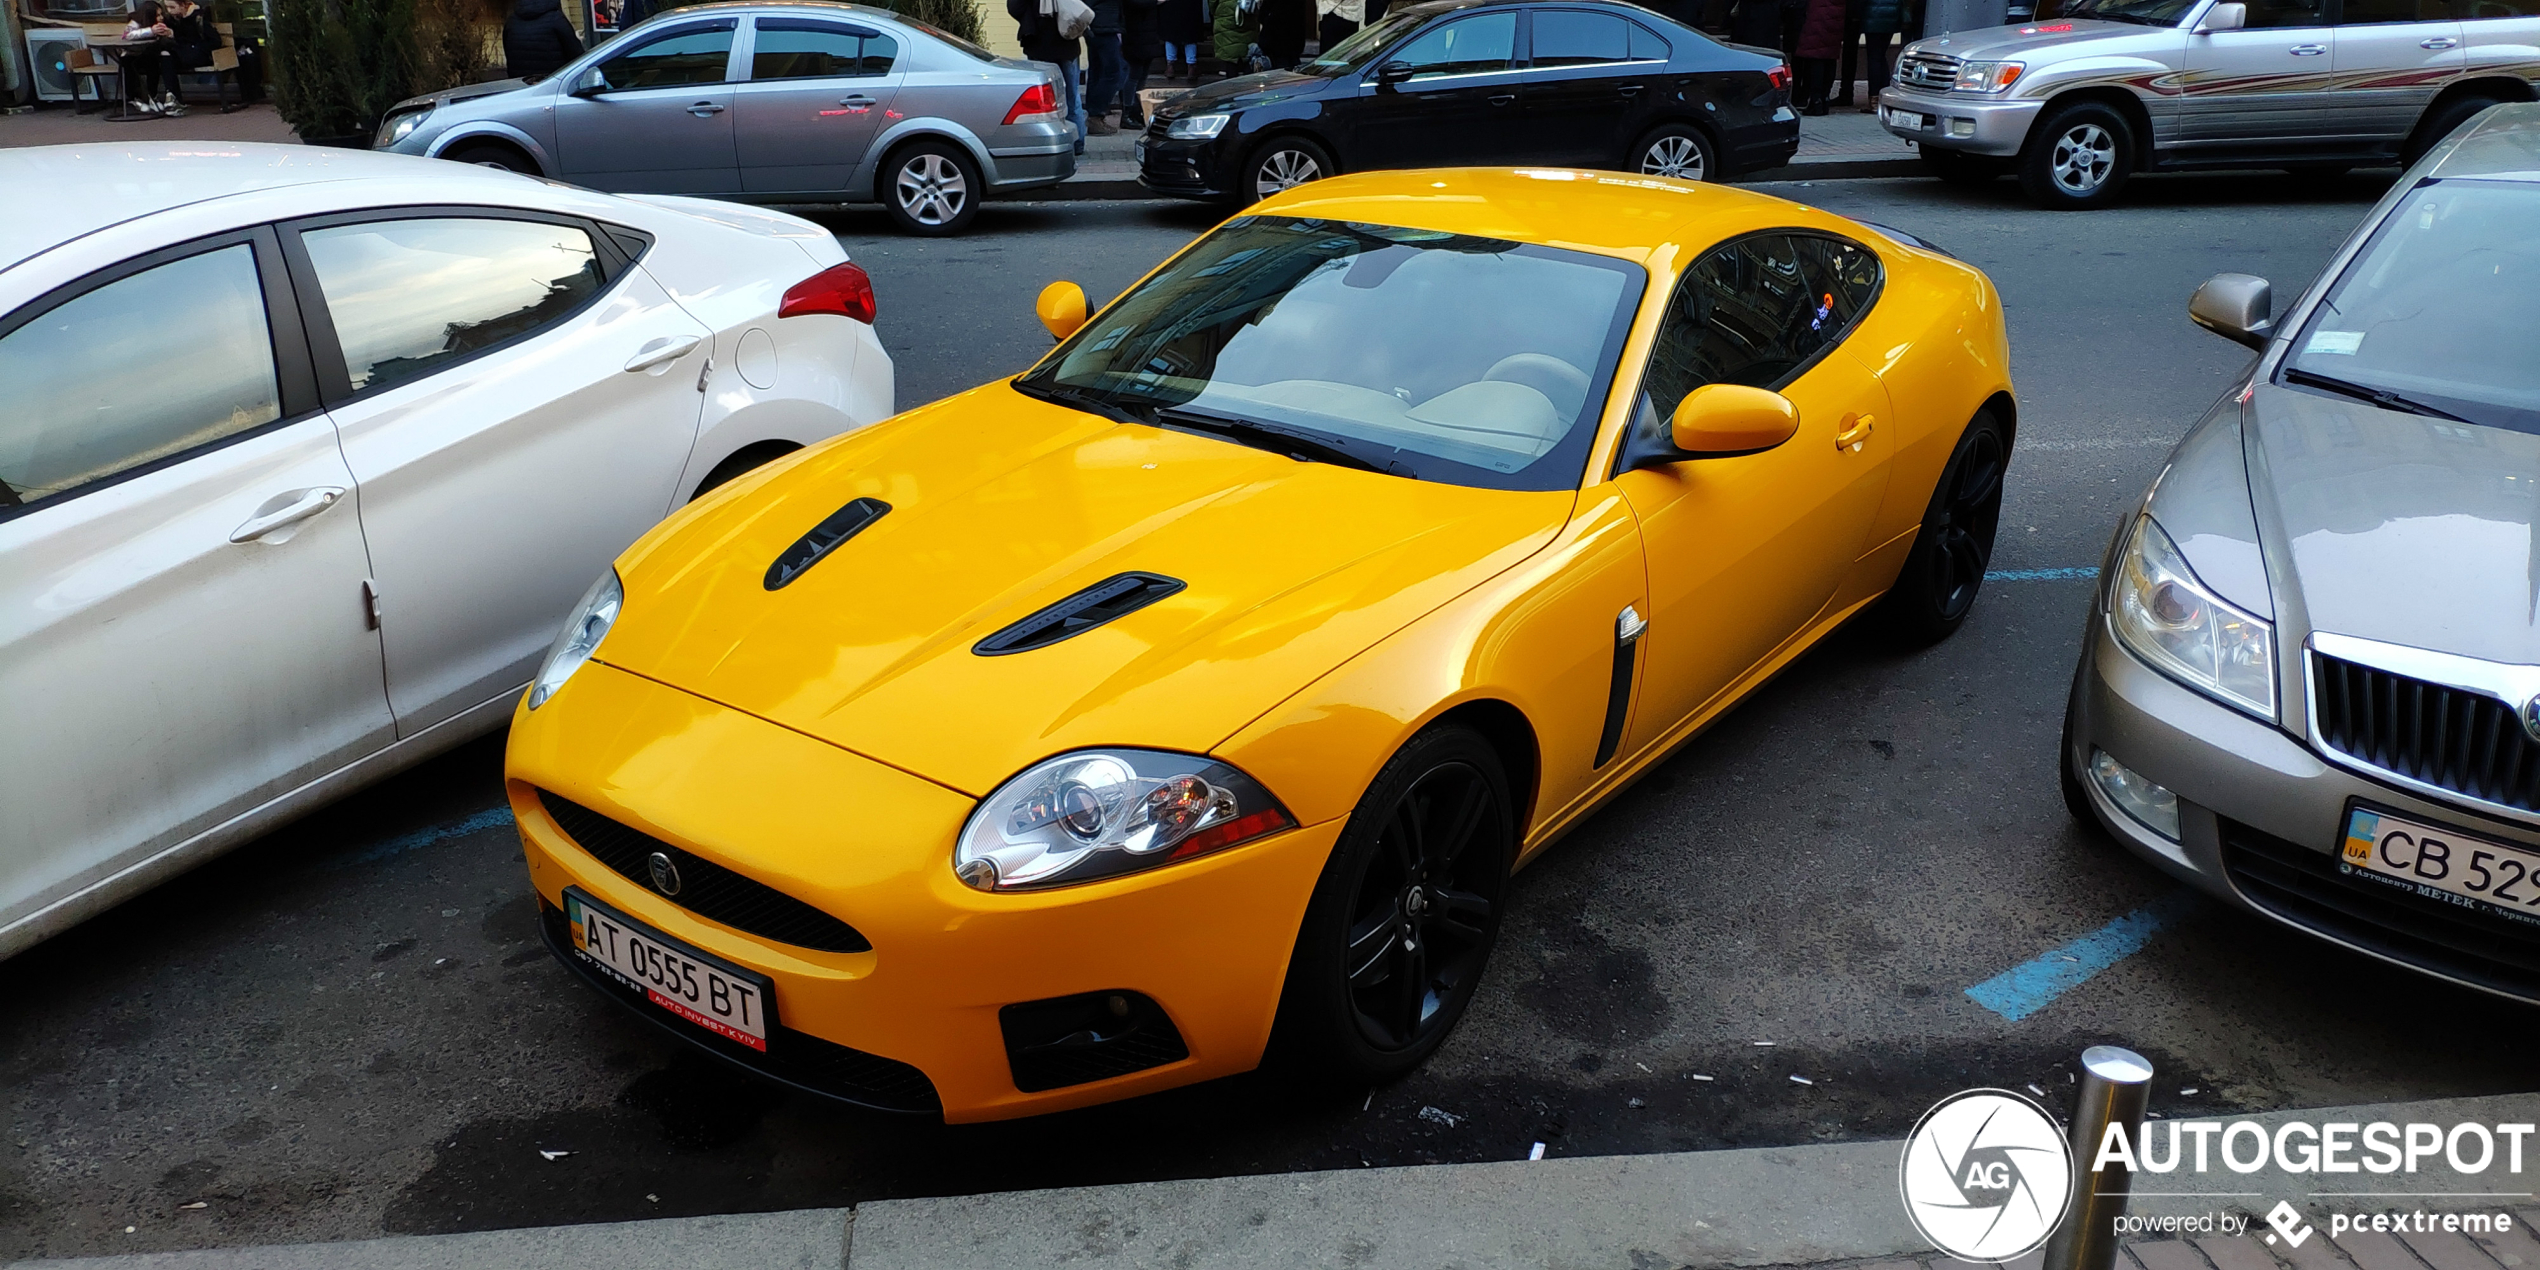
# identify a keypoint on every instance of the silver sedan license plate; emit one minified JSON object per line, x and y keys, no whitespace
{"x":2443,"y":864}
{"x":730,"y":1002}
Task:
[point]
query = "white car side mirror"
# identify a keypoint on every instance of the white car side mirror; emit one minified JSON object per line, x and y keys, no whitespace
{"x":2229,"y":16}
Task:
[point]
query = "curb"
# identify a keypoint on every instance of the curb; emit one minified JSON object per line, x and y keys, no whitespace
{"x":1127,"y":188}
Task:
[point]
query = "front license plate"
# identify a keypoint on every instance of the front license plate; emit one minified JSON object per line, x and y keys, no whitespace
{"x":730,"y":1002}
{"x":2443,"y":864}
{"x":1139,"y":149}
{"x":1907,"y":119}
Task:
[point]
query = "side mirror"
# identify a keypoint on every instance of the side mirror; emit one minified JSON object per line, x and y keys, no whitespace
{"x":2239,"y":307}
{"x":1392,"y":73}
{"x":1061,"y":308}
{"x":590,"y":83}
{"x":2229,"y":16}
{"x":1720,"y":420}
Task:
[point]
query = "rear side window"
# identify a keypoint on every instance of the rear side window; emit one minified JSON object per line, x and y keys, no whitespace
{"x":1466,"y":46}
{"x":1756,"y":311}
{"x":138,"y":370}
{"x":690,"y":56}
{"x":410,"y":297}
{"x":1647,"y":47}
{"x":789,"y":49}
{"x":2472,"y":10}
{"x":1570,"y":37}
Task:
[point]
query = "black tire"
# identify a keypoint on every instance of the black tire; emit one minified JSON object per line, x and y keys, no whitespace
{"x":1675,"y":150}
{"x":1383,"y":1021}
{"x":2078,"y":158}
{"x":745,"y":459}
{"x":1943,"y":572}
{"x":1283,"y":162}
{"x":1967,"y":171}
{"x":930,"y":187}
{"x":2441,"y":122}
{"x":490,"y":154}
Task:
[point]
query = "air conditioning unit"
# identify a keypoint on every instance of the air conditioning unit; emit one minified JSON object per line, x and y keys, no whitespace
{"x":49,"y":49}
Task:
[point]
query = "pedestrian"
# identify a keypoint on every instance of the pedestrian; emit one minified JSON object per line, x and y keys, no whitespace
{"x":1884,"y":23}
{"x":1339,"y":20}
{"x":1820,"y":43}
{"x":1183,"y":24}
{"x":1230,"y":35}
{"x":1140,"y":44}
{"x":1105,"y":71}
{"x":1854,"y":12}
{"x":1037,"y":29}
{"x":1757,"y":23}
{"x":538,"y":39}
{"x":1285,"y":27}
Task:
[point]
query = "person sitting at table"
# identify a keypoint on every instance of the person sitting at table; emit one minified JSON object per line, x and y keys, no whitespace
{"x":144,"y":67}
{"x":190,"y":40}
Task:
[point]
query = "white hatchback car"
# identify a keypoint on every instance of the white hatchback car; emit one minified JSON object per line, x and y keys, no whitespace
{"x":305,"y":454}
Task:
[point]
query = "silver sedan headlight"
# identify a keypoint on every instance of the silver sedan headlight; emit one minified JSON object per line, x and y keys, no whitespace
{"x":580,"y":638}
{"x":1099,"y":813}
{"x":1196,"y":127}
{"x":2167,"y":617}
{"x":396,"y":128}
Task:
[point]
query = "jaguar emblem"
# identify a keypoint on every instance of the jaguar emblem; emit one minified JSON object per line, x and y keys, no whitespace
{"x":665,"y":873}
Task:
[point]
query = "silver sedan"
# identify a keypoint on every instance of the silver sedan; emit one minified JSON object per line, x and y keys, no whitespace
{"x":801,"y":102}
{"x":2311,"y":681}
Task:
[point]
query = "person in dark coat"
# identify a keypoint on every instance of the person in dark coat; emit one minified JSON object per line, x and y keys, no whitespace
{"x":1104,"y":68}
{"x":1140,"y":45}
{"x":1820,"y":43}
{"x":1854,"y":11}
{"x":1285,"y":27}
{"x":538,"y":39}
{"x":1183,"y":27}
{"x":1757,"y":23}
{"x":1038,"y":33}
{"x":1884,"y":21}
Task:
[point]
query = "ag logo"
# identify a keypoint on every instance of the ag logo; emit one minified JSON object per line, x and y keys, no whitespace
{"x":1985,"y":1175}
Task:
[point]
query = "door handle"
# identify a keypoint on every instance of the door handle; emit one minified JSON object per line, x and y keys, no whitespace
{"x":706,"y":109}
{"x":662,"y":351}
{"x":304,"y":504}
{"x":1503,"y":99}
{"x":1631,"y":90}
{"x":1856,"y":430}
{"x":858,"y":100}
{"x":2438,"y":42}
{"x":2307,"y":50}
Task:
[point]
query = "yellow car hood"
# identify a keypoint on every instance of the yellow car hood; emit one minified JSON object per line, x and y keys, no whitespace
{"x":1001,"y":505}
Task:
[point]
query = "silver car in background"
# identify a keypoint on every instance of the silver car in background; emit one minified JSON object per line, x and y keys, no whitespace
{"x":797,"y":102}
{"x":2075,"y":104}
{"x":2311,"y":679}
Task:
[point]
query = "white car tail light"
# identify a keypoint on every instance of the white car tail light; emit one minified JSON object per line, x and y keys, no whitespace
{"x":841,"y":289}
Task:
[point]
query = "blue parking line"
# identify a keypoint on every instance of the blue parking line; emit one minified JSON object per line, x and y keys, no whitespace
{"x":2040,"y":575}
{"x":2031,"y":986}
{"x":490,"y":818}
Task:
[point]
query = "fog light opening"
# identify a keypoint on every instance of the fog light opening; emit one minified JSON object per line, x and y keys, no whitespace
{"x":1962,"y":127}
{"x":2136,"y":796}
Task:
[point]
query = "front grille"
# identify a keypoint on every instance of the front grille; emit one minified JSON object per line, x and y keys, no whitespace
{"x":2317,"y":891}
{"x":706,"y":889}
{"x":1936,"y":71}
{"x":2467,"y":742}
{"x":793,"y":1058}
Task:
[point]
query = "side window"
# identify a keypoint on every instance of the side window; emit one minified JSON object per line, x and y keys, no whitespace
{"x":1754,"y":312}
{"x":1569,"y":37}
{"x":1648,"y":47}
{"x":691,"y":56}
{"x":790,"y":49}
{"x":411,"y":296}
{"x":2474,"y":10}
{"x":1467,"y":46}
{"x":2279,"y":13}
{"x":149,"y":366}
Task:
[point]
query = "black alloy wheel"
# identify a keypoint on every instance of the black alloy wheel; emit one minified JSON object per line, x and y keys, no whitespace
{"x":1675,"y":150}
{"x":1945,"y":569}
{"x":1405,"y":914}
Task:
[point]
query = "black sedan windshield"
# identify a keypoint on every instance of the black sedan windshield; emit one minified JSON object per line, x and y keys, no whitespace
{"x":1445,"y":357}
{"x":2440,"y":314}
{"x":1362,"y":48}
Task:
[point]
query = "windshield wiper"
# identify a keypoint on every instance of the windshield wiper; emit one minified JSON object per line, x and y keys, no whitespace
{"x":1303,"y":447}
{"x":1079,"y":399}
{"x":2381,"y":397}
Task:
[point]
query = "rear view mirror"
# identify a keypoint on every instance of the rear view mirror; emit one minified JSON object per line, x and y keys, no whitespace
{"x":2229,"y":16}
{"x":1719,"y":420}
{"x":590,"y":83}
{"x":1395,"y":72}
{"x":2239,"y":307}
{"x":1061,"y":308}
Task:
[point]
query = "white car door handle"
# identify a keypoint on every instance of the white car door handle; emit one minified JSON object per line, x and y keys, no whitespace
{"x":2438,"y":42}
{"x":662,"y":351}
{"x":2308,"y":50}
{"x":309,"y":503}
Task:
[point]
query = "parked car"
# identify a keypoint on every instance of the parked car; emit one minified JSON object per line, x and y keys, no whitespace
{"x":2311,"y":680}
{"x":304,"y":455}
{"x":2078,"y":104}
{"x":1043,"y":746}
{"x":1457,"y":82}
{"x":769,"y":103}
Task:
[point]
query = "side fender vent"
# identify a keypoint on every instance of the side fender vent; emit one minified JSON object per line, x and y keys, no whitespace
{"x":1116,"y":596}
{"x":825,"y":537}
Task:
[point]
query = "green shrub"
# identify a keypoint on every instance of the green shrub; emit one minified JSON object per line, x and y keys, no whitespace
{"x":960,"y":17}
{"x":338,"y":65}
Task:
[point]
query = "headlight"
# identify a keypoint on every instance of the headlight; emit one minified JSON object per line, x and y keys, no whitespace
{"x":397,"y":128}
{"x":580,"y":638}
{"x":2171,"y":620}
{"x":1987,"y":77}
{"x":1099,"y":813}
{"x":1196,"y":127}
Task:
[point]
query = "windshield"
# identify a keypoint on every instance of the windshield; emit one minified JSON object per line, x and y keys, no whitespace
{"x":1362,"y":48}
{"x":1443,"y":357}
{"x":2441,"y":311}
{"x":2139,"y":12}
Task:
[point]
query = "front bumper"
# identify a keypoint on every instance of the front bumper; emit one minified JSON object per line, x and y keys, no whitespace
{"x":1975,"y":125}
{"x":2260,"y":819}
{"x":1183,"y":167}
{"x":1207,"y":941}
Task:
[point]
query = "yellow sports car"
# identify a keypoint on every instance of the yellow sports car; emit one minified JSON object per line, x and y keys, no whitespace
{"x":1192,"y":696}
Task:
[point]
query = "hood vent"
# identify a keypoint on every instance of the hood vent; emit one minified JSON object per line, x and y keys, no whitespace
{"x":1116,"y":596}
{"x":842,"y":524}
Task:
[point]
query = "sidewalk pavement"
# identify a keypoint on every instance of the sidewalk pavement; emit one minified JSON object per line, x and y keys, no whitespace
{"x":1833,"y":1207}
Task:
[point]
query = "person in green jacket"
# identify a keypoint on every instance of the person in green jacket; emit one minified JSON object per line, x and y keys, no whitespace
{"x":1236,"y":25}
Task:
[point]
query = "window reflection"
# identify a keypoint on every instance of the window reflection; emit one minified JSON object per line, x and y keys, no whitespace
{"x":411,"y":296}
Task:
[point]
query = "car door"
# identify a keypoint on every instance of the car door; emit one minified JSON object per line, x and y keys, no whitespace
{"x":815,"y":98}
{"x":2391,"y":58}
{"x":1745,"y":552}
{"x":1458,"y":104}
{"x":2500,"y":36}
{"x":2261,"y":86}
{"x":1591,"y":75}
{"x":516,"y":402}
{"x":182,"y":629}
{"x":655,"y":118}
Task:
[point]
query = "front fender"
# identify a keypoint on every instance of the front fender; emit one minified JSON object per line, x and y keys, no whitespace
{"x":2150,"y":79}
{"x":491,"y":130}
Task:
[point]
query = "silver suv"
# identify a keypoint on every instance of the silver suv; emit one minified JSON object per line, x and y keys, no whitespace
{"x":2077,"y":103}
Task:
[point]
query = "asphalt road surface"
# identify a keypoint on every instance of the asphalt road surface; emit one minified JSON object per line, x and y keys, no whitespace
{"x":350,"y":1028}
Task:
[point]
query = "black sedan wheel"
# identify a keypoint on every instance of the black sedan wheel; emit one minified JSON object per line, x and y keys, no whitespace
{"x":1404,"y":915}
{"x":1284,"y":163}
{"x":1938,"y":585}
{"x":931,"y":188}
{"x":1677,"y":150}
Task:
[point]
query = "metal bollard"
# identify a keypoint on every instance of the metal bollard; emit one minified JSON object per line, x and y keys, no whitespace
{"x":2114,"y":1085}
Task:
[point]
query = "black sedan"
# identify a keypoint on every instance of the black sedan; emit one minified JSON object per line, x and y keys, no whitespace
{"x":1457,"y":83}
